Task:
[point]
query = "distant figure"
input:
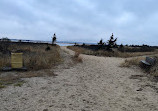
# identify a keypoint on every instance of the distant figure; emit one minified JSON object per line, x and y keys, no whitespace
{"x":54,"y":39}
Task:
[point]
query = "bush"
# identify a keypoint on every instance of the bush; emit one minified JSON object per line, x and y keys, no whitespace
{"x":121,"y":48}
{"x":131,"y":62}
{"x":77,"y":57}
{"x":48,"y":48}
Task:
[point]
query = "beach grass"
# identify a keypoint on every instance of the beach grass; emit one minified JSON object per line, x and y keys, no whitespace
{"x":35,"y":57}
{"x":110,"y":53}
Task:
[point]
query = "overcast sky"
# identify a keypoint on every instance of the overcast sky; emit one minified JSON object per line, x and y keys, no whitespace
{"x":132,"y":21}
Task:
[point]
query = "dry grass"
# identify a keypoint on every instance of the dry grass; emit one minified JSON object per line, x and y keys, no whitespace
{"x":4,"y":60}
{"x":77,"y":57}
{"x":35,"y":57}
{"x":132,"y":61}
{"x":110,"y":54}
{"x":153,"y":70}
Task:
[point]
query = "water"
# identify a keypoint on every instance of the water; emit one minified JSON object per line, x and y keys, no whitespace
{"x":61,"y":43}
{"x":64,"y":44}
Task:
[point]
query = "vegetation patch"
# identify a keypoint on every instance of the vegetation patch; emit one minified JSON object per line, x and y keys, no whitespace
{"x":115,"y":53}
{"x":111,"y":49}
{"x":152,"y":71}
{"x":77,"y":58}
{"x":132,"y":62}
{"x":38,"y":58}
{"x":35,"y":56}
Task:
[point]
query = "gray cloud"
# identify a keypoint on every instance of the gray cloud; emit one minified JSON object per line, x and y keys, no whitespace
{"x":132,"y":21}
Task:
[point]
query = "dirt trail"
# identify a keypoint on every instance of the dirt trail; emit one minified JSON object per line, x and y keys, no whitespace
{"x":97,"y":84}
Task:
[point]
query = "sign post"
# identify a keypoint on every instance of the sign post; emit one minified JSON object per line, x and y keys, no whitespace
{"x":16,"y":60}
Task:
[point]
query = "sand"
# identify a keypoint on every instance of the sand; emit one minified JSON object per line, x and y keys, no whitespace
{"x":97,"y":84}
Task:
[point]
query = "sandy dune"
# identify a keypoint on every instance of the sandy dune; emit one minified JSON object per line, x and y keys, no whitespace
{"x":97,"y":84}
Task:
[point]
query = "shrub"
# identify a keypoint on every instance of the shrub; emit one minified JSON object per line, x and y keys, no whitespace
{"x":76,"y":54}
{"x":101,"y":42}
{"x":121,"y":48}
{"x":131,"y":62}
{"x":48,"y":48}
{"x":136,"y":49}
{"x":77,"y":57}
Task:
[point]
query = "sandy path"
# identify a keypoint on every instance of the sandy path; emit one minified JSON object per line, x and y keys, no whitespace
{"x":98,"y":84}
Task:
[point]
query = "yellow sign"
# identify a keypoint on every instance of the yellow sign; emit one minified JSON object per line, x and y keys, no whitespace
{"x":16,"y":60}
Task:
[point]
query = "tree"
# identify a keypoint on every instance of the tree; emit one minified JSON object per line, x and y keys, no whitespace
{"x":83,"y":44}
{"x":112,"y":42}
{"x":54,"y":39}
{"x":121,"y":48}
{"x":5,"y":39}
{"x":101,"y":42}
{"x":20,"y":41}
